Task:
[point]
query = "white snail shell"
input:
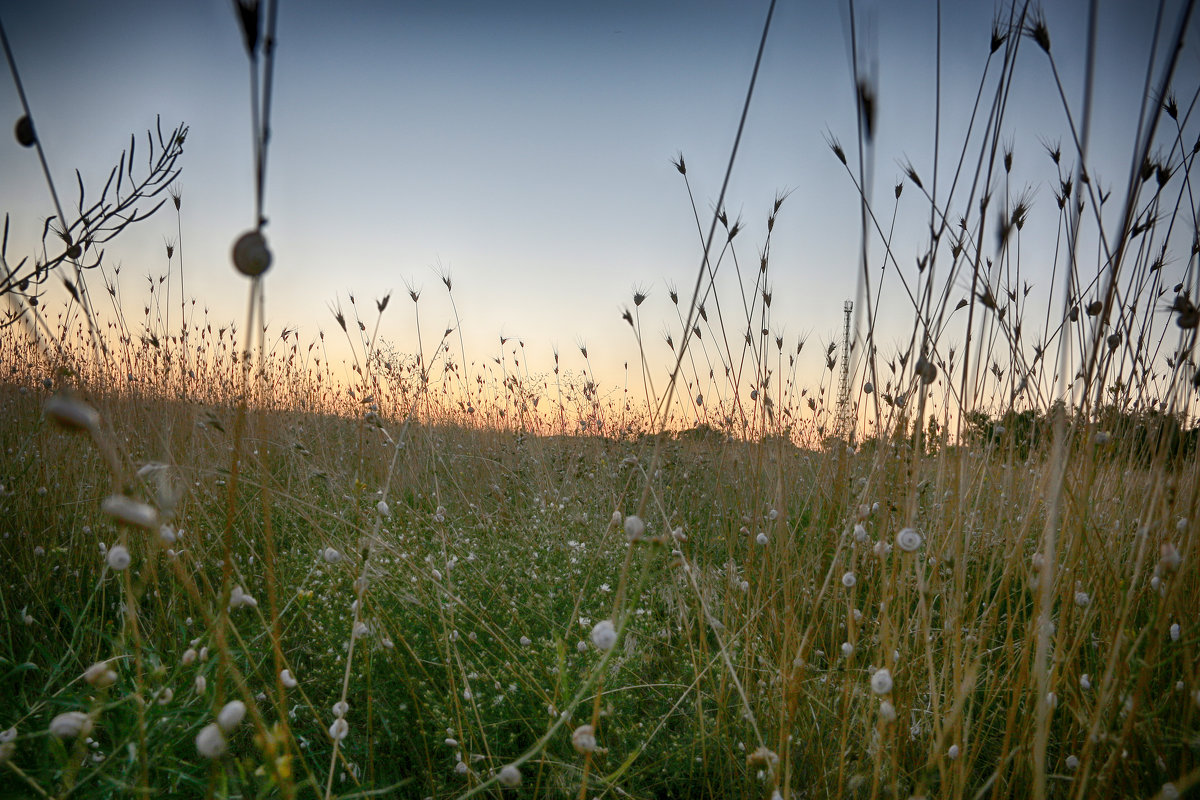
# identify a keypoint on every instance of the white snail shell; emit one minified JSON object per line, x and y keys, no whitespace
{"x":251,"y":255}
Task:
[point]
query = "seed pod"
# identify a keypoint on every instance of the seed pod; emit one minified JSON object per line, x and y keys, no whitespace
{"x":251,"y":255}
{"x":24,"y":132}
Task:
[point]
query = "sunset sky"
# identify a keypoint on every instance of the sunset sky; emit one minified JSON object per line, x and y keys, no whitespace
{"x":526,"y":147}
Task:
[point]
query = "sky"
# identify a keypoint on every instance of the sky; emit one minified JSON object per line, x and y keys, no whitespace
{"x":526,"y":148}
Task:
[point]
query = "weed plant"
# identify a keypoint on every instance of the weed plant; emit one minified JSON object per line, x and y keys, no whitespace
{"x":233,"y":568}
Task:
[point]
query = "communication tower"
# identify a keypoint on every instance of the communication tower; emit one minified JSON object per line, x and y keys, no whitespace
{"x":845,"y":424}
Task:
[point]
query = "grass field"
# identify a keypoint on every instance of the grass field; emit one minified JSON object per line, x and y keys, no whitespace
{"x":231,"y":570}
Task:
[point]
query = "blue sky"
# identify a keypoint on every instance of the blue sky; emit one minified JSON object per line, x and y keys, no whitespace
{"x":526,"y":147}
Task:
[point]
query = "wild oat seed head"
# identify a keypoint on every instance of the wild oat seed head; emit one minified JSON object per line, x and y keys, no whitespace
{"x":210,"y":742}
{"x":118,"y":558}
{"x":881,"y":681}
{"x":510,"y":776}
{"x":231,"y":715}
{"x":604,"y":635}
{"x":71,"y":725}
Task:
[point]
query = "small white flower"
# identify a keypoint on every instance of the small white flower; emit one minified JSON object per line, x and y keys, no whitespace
{"x":100,"y":675}
{"x":881,"y":681}
{"x":231,"y":715}
{"x":382,"y":508}
{"x":584,"y":739}
{"x":118,"y":558}
{"x":510,"y":776}
{"x":71,"y":725}
{"x":210,"y":742}
{"x":1072,"y":762}
{"x":634,"y":527}
{"x":848,"y":580}
{"x":908,"y":540}
{"x":761,"y":538}
{"x":287,"y":679}
{"x":952,"y":753}
{"x":331,"y":555}
{"x":604,"y":635}
{"x":339,"y":730}
{"x":887,"y":711}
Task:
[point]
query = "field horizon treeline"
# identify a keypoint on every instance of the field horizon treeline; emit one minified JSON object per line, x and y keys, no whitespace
{"x":957,"y":565}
